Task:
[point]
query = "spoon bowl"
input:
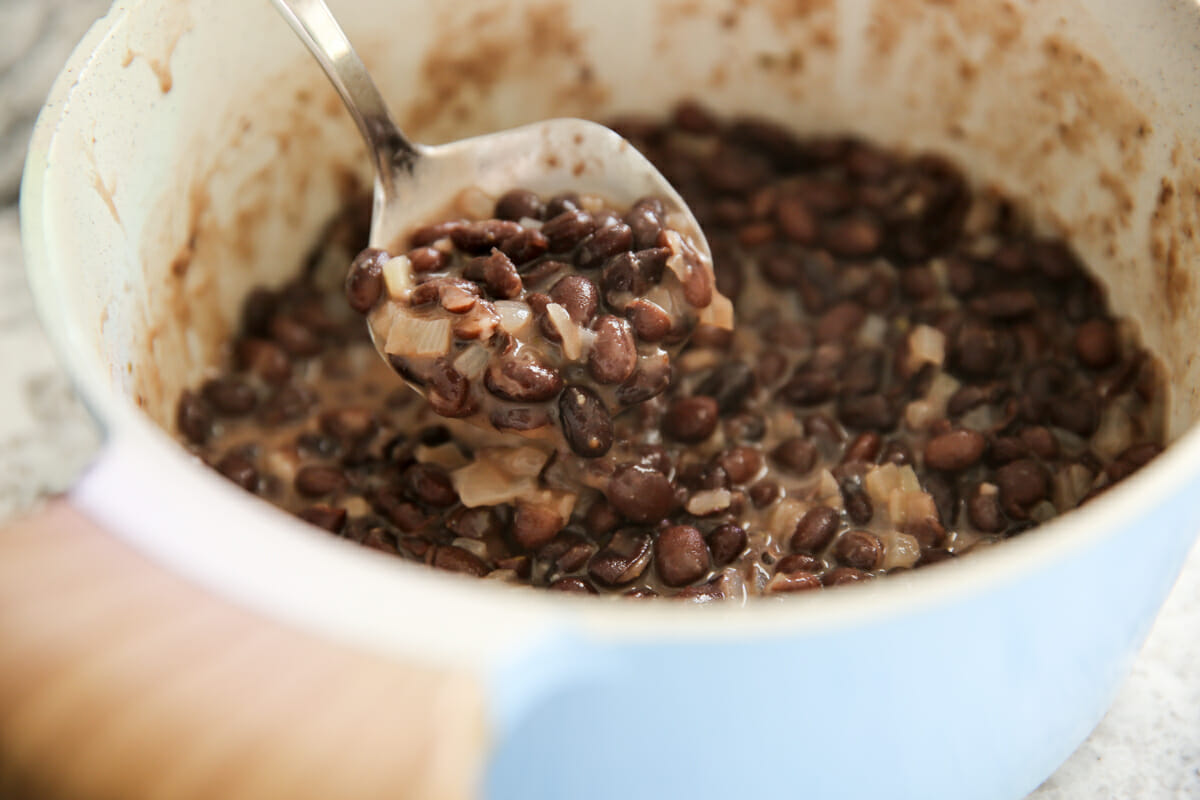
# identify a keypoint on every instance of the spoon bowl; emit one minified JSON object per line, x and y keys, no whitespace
{"x":416,"y":185}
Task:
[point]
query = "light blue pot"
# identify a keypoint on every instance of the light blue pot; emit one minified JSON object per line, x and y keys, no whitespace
{"x":972,"y":679}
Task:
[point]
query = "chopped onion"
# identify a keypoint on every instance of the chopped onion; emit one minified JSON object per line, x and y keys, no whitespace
{"x":412,"y":336}
{"x":472,"y":362}
{"x":719,"y":312}
{"x":926,"y":345}
{"x":709,"y":501}
{"x":899,"y":550}
{"x":397,"y":275}
{"x":514,"y":315}
{"x":481,"y":483}
{"x":568,"y":331}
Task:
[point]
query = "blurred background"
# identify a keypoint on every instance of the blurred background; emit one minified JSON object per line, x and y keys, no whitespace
{"x":1148,"y":746}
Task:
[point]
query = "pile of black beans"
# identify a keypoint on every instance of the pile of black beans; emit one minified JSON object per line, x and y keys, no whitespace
{"x":914,"y":374}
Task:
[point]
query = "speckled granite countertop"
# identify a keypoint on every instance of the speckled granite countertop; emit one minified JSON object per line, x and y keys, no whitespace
{"x":1148,"y":746}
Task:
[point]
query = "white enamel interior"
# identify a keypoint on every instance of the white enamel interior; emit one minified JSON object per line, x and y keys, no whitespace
{"x":192,"y":150}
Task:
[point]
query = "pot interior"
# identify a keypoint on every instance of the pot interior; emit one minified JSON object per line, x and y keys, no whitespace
{"x":218,"y":151}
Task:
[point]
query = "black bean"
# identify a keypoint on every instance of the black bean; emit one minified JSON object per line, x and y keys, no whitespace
{"x":427,"y":259}
{"x":288,"y":403}
{"x":681,"y":555}
{"x":564,"y":231}
{"x":293,"y":336}
{"x":864,"y":447}
{"x":613,"y":356}
{"x":566,"y":201}
{"x":810,"y":385}
{"x":579,"y":296}
{"x":349,"y":423}
{"x":1005,"y":304}
{"x":597,"y":248}
{"x":854,"y":236}
{"x":955,"y":450}
{"x":1022,"y":483}
{"x":726,"y":542}
{"x":447,"y":390}
{"x":456,"y":559}
{"x":364,"y":281}
{"x":896,"y":451}
{"x":814,"y":530}
{"x":229,"y":396}
{"x":796,"y":454}
{"x":497,"y":272}
{"x":522,"y":378}
{"x":429,"y":234}
{"x":240,"y":470}
{"x":429,"y":484}
{"x":323,"y":516}
{"x":858,"y":505}
{"x":524,"y":246}
{"x":517,"y":204}
{"x":642,"y":494}
{"x":265,"y":359}
{"x":873,"y":411}
{"x":645,"y":222}
{"x":481,"y":237}
{"x":859,"y":549}
{"x":623,"y":560}
{"x":650,"y":323}
{"x":316,"y":480}
{"x":534,"y":526}
{"x":691,"y":419}
{"x":193,"y":418}
{"x":572,"y":585}
{"x":983,"y":510}
{"x":586,"y":423}
{"x":1096,"y":343}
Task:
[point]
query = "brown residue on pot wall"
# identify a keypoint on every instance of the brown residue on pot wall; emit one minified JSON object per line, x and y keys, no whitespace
{"x":1173,"y":228}
{"x":537,"y":48}
{"x":175,"y":21}
{"x":208,"y":246}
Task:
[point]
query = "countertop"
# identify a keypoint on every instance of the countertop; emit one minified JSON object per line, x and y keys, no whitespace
{"x":1148,"y":745}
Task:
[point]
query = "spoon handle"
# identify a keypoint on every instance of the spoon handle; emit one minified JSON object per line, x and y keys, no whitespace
{"x":315,"y":25}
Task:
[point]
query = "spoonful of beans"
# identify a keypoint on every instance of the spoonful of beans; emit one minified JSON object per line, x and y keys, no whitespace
{"x":534,"y":281}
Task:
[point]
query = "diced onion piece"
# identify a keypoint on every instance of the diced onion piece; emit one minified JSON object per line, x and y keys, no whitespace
{"x":719,"y":312}
{"x":446,"y":455}
{"x":1115,"y":432}
{"x":1070,"y":486}
{"x":475,"y":203}
{"x":899,"y":550}
{"x":572,"y":344}
{"x":926,"y":345}
{"x":482,"y":483}
{"x":873,"y":330}
{"x":412,"y":336}
{"x":398,"y":276}
{"x":514,"y":315}
{"x":476,"y":547}
{"x":560,"y":502}
{"x":472,"y":362}
{"x":708,"y":502}
{"x":909,"y":506}
{"x":525,"y":461}
{"x":881,"y":481}
{"x":785,"y":516}
{"x":529,"y":223}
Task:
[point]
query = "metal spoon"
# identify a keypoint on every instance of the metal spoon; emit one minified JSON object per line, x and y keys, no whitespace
{"x":415,"y":184}
{"x":414,"y":181}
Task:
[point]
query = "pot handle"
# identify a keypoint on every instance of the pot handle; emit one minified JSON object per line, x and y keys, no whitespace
{"x":121,"y":679}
